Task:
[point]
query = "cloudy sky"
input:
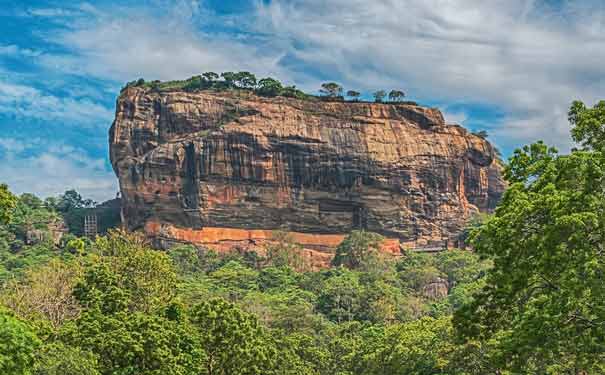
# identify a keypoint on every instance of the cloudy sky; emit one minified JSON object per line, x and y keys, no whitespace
{"x":510,"y":67}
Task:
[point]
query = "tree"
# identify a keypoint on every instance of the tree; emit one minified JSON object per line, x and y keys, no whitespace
{"x":416,"y":271}
{"x":233,"y":341}
{"x":18,"y":344}
{"x":354,"y":95}
{"x":331,"y":90}
{"x":379,"y":96}
{"x":210,"y":76}
{"x":269,"y":87}
{"x":136,"y":343}
{"x":73,"y":207}
{"x":293,"y":92}
{"x":588,"y":125}
{"x":235,"y":279}
{"x":7,"y":202}
{"x":283,"y":251}
{"x":357,"y":249}
{"x":396,"y":95}
{"x":60,"y":359}
{"x":544,"y":300}
{"x":419,"y":347}
{"x":340,"y":297}
{"x":128,"y":275}
{"x":529,"y":162}
{"x":186,"y":259}
{"x":45,"y":293}
{"x":229,"y":78}
{"x":245,"y":80}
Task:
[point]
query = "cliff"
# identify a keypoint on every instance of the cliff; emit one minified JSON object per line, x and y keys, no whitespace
{"x":225,"y":169}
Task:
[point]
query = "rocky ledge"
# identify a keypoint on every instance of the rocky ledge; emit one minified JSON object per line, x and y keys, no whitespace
{"x":224,"y":169}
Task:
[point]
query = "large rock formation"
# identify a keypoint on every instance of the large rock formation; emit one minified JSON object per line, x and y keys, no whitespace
{"x":224,"y":169}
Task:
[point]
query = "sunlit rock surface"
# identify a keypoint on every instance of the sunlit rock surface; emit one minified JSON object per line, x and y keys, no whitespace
{"x":225,"y":169}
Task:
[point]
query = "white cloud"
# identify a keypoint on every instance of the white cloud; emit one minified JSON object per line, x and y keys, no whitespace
{"x":15,"y":51}
{"x":29,"y":102}
{"x":520,"y":56}
{"x":524,"y":58}
{"x":130,"y":43}
{"x":54,"y":170}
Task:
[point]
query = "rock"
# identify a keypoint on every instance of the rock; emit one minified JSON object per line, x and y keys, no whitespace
{"x":436,"y":289}
{"x":53,"y":232}
{"x":221,"y":169}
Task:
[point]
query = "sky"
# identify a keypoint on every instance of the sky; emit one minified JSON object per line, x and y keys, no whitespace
{"x":509,"y":67}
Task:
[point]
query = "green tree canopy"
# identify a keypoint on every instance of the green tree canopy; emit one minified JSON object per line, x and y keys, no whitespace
{"x":210,"y":76}
{"x":379,"y":96}
{"x":331,"y":89}
{"x":354,"y":95}
{"x":588,"y":125}
{"x":18,"y":345}
{"x":127,"y":275}
{"x":232,"y":339}
{"x":544,"y":301}
{"x":245,"y":80}
{"x":269,"y":87}
{"x":136,"y":343}
{"x":396,"y":95}
{"x":60,"y":359}
{"x":7,"y":202}
{"x":421,"y":347}
{"x":357,"y":249}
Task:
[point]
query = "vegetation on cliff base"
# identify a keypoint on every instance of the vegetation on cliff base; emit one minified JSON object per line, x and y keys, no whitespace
{"x":117,"y":306}
{"x":530,"y":300}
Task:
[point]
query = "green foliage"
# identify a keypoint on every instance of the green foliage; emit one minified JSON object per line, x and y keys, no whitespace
{"x":396,"y":95}
{"x":358,"y":250}
{"x":73,"y":207}
{"x":7,"y":203}
{"x":233,"y":341}
{"x":59,"y":359}
{"x":18,"y":344}
{"x":418,"y":270}
{"x":127,"y":276}
{"x":235,"y":279}
{"x":588,"y":125}
{"x":354,"y":95}
{"x":542,"y":309}
{"x":379,"y":96}
{"x":117,"y":306}
{"x":31,"y":213}
{"x":331,"y":90}
{"x":269,"y":87}
{"x":44,"y":295}
{"x":136,"y":343}
{"x":529,"y":162}
{"x":340,"y":297}
{"x":186,"y":259}
{"x":241,"y":82}
{"x":210,"y":76}
{"x":283,"y":251}
{"x":244,"y":80}
{"x":419,"y":347}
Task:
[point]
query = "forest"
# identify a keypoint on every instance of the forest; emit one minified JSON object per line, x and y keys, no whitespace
{"x":527,"y":297}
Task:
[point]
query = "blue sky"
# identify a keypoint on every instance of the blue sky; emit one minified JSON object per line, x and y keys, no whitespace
{"x":509,"y":67}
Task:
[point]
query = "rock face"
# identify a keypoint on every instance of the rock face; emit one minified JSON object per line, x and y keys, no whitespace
{"x":225,"y":169}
